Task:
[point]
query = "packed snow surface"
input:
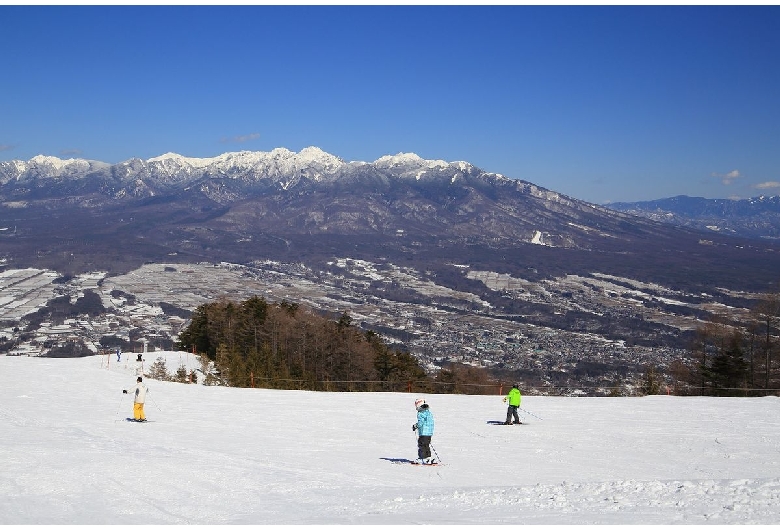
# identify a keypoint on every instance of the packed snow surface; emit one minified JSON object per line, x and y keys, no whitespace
{"x":217,"y":455}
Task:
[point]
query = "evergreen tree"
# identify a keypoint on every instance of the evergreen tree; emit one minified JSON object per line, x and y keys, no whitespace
{"x":196,"y":334}
{"x":158,"y":370}
{"x":181,"y":375}
{"x":344,"y":321}
{"x":652,"y":382}
{"x":729,"y":369}
{"x":209,"y":377}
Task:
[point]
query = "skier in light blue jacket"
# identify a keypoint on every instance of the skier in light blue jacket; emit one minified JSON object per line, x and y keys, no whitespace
{"x":424,"y":428}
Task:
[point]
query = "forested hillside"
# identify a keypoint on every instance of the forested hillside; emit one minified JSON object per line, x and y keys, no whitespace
{"x":283,"y":345}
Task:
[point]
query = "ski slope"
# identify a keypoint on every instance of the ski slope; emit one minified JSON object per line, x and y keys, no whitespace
{"x":215,"y":455}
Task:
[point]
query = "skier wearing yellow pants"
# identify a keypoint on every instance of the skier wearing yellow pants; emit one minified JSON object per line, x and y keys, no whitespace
{"x":139,"y":394}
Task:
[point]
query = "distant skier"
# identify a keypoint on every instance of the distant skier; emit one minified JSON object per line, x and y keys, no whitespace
{"x":139,"y":393}
{"x":424,"y":428}
{"x":513,"y":399}
{"x":118,"y":355}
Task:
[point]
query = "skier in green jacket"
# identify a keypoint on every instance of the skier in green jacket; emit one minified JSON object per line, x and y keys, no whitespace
{"x":513,"y":399}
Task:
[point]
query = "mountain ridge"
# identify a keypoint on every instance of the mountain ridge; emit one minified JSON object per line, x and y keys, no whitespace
{"x":285,"y":205}
{"x":452,"y":192}
{"x":755,"y":217}
{"x":278,"y":160}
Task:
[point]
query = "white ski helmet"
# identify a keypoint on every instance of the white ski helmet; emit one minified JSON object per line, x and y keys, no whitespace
{"x":419,"y":402}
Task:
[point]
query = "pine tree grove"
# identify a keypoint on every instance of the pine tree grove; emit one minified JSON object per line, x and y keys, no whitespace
{"x":254,"y":343}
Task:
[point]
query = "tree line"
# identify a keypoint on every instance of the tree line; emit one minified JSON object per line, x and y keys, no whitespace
{"x":254,"y":343}
{"x":737,"y":357}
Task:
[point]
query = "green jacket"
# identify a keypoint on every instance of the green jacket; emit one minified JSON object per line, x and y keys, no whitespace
{"x":514,"y":397}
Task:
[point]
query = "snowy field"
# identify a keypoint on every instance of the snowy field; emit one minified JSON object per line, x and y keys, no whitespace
{"x":214,"y":455}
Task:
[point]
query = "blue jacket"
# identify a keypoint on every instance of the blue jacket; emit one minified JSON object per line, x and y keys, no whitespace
{"x":424,"y":421}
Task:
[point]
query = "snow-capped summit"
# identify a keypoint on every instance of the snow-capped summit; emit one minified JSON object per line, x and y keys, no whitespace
{"x":48,"y":166}
{"x":59,"y":165}
{"x":318,"y":156}
{"x":408,"y":159}
{"x":175,"y":158}
{"x":280,"y":156}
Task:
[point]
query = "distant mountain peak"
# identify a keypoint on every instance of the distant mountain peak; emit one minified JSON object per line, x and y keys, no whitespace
{"x":756,"y":217}
{"x":53,"y":165}
{"x":180,"y":160}
{"x":408,"y":159}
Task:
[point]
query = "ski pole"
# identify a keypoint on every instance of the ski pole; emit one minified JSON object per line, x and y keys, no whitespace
{"x":438,"y":458}
{"x":121,"y":399}
{"x":534,"y":415}
{"x":155,"y":403}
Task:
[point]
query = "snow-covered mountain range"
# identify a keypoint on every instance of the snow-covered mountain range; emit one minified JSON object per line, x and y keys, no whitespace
{"x":281,"y":165}
{"x":248,"y":172}
{"x":287,"y":205}
{"x":288,"y":193}
{"x":279,"y":169}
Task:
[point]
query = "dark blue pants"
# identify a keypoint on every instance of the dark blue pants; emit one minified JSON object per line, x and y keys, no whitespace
{"x":424,"y":446}
{"x":512,"y":412}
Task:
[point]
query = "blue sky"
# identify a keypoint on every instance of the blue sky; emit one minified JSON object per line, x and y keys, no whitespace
{"x":600,"y":103}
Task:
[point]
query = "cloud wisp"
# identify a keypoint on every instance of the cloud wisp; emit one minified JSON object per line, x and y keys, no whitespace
{"x":769,"y":185}
{"x":728,"y":178}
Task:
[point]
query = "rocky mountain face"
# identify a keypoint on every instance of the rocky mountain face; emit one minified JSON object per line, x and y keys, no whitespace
{"x":312,"y":192}
{"x":454,"y":251}
{"x":78,"y":215}
{"x":756,"y":218}
{"x":284,"y":193}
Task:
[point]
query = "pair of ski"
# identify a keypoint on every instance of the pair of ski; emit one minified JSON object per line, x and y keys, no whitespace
{"x":133,"y":420}
{"x":414,"y":462}
{"x":434,"y":463}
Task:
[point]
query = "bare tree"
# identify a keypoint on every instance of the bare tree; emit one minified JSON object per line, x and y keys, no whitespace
{"x":767,"y":313}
